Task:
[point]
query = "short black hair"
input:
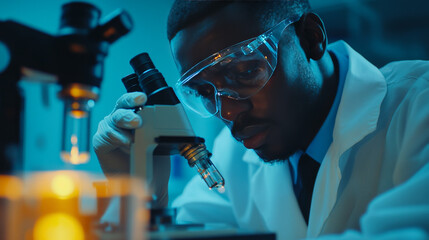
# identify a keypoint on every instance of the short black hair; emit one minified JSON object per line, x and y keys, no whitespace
{"x":185,"y":12}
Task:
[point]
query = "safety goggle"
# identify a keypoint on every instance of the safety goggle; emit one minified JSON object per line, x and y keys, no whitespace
{"x":237,"y":72}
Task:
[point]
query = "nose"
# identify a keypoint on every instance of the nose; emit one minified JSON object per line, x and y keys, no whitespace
{"x":231,"y":108}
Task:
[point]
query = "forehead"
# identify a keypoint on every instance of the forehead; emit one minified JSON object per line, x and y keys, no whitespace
{"x":220,"y":30}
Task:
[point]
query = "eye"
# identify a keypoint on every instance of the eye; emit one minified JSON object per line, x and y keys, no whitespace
{"x":249,"y":73}
{"x":245,"y":72}
{"x":205,"y":91}
{"x":200,"y":88}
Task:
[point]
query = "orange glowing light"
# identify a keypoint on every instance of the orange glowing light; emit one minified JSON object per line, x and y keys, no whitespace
{"x":63,"y":186}
{"x":217,"y":56}
{"x":77,"y":48}
{"x":10,"y":187}
{"x":75,"y":105}
{"x":58,"y":226}
{"x":75,"y":156}
{"x":109,"y":32}
{"x":73,"y":139}
{"x":78,"y":114}
{"x":76,"y":91}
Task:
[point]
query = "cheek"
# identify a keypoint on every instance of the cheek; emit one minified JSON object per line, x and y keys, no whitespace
{"x":286,"y":99}
{"x":283,"y":94}
{"x":266,"y":100}
{"x":291,"y":63}
{"x":278,"y":94}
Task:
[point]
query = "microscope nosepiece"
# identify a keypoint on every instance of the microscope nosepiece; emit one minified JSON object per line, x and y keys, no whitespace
{"x":198,"y":157}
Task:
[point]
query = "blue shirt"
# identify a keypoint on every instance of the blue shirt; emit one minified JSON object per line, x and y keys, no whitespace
{"x":323,"y":139}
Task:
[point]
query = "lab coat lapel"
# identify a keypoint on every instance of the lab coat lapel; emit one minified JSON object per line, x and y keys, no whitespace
{"x":358,"y":112}
{"x":272,"y":193}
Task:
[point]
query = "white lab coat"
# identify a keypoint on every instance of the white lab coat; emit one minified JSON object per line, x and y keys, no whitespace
{"x":373,"y":181}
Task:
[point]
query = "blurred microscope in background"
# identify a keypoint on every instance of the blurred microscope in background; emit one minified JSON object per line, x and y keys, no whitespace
{"x":59,"y":204}
{"x":74,"y":59}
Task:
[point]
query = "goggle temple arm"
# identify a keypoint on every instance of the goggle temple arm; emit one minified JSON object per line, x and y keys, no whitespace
{"x":271,"y":38}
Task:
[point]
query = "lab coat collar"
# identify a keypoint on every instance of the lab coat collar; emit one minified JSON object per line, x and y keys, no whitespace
{"x":357,"y":116}
{"x":272,"y":192}
{"x":364,"y":90}
{"x":250,"y":156}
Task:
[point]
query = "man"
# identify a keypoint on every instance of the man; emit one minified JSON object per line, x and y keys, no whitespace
{"x":348,"y":143}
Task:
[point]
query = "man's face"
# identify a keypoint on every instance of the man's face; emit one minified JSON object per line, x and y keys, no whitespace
{"x":276,"y":121}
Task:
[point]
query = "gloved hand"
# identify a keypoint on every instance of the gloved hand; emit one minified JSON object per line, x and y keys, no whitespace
{"x":114,"y":134}
{"x":112,"y":145}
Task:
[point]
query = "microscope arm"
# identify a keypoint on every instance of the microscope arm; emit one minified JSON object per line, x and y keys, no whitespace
{"x":21,"y":49}
{"x":25,"y":48}
{"x":159,"y":123}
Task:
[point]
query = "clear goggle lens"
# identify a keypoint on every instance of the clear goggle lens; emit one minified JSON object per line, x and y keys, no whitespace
{"x":237,"y":72}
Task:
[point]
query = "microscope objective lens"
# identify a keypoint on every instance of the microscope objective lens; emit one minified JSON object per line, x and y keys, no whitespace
{"x":209,"y":173}
{"x":198,"y":157}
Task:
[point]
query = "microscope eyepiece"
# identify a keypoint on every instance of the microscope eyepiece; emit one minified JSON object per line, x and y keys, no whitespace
{"x":131,"y":83}
{"x":152,"y":82}
{"x":141,"y":63}
{"x":79,"y":15}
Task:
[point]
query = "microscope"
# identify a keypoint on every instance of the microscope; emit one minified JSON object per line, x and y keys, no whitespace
{"x":74,"y":59}
{"x":166,"y":131}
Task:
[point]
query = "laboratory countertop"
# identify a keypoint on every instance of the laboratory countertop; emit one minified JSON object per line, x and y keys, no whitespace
{"x":197,"y":232}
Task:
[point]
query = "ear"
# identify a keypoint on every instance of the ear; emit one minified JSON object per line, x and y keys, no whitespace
{"x":312,"y":35}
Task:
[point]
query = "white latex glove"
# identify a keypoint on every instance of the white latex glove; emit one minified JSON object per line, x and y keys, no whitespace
{"x":112,"y":145}
{"x":114,"y":134}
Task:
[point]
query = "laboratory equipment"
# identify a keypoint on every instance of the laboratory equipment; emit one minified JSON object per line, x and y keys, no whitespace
{"x":166,"y":130}
{"x":74,"y":59}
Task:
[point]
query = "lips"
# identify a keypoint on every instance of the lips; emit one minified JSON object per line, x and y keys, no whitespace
{"x":253,"y":136}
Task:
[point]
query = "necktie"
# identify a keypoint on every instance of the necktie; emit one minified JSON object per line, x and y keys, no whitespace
{"x":307,"y":172}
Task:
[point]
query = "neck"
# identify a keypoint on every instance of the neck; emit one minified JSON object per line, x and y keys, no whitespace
{"x":329,"y":76}
{"x":329,"y":70}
